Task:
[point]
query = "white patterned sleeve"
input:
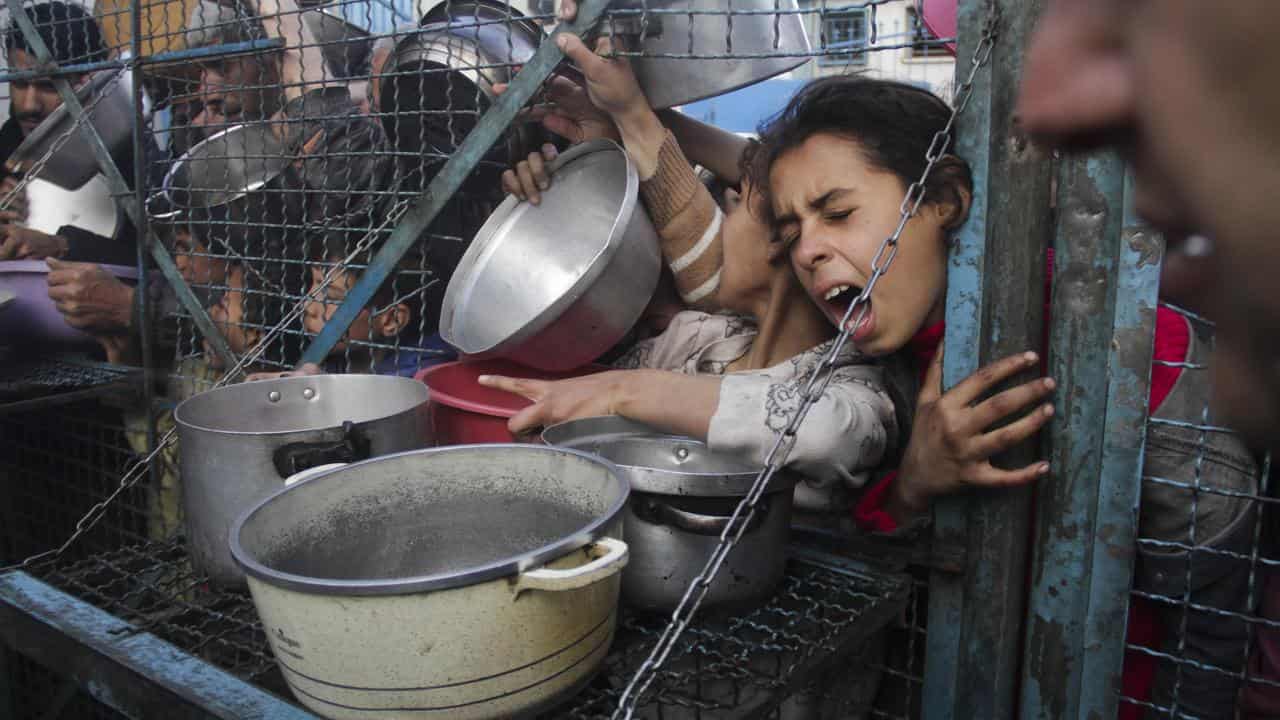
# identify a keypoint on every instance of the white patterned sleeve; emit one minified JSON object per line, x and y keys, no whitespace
{"x":847,"y":431}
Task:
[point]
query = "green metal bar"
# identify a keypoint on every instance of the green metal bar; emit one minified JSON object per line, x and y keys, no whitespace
{"x":995,"y":308}
{"x":119,"y":188}
{"x":450,"y":178}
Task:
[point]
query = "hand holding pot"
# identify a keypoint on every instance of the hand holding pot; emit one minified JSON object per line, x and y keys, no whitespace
{"x":530,"y":177}
{"x":569,"y":113}
{"x":90,"y":298}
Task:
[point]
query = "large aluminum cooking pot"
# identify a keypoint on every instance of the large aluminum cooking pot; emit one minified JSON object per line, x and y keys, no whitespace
{"x":683,"y":496}
{"x":240,"y":442}
{"x":555,"y":285}
{"x":473,"y":581}
{"x":696,"y":31}
{"x":108,"y":96}
{"x":439,"y":81}
{"x":230,"y":186}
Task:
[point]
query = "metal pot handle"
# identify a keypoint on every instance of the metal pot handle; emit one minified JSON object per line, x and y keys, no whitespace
{"x":311,"y":472}
{"x":293,"y":458}
{"x":661,"y":513}
{"x":608,"y":555}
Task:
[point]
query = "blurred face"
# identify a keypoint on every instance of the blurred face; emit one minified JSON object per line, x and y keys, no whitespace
{"x":228,"y":316}
{"x":325,"y":303}
{"x":31,"y":101}
{"x":194,"y":263}
{"x":233,"y":90}
{"x":747,"y":271}
{"x":1186,"y":89}
{"x":833,"y":209}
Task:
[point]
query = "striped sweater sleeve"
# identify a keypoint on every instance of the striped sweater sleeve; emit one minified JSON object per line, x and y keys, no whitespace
{"x":689,"y":226}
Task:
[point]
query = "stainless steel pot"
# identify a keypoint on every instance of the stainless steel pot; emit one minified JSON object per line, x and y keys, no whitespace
{"x":108,"y":96}
{"x":683,"y":497}
{"x":229,"y":186}
{"x":240,"y":442}
{"x":555,"y":285}
{"x":467,"y":582}
{"x":438,"y":81}
{"x":698,"y":32}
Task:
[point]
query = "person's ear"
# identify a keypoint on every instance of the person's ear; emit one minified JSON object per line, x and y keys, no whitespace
{"x":391,"y":321}
{"x":956,"y":191}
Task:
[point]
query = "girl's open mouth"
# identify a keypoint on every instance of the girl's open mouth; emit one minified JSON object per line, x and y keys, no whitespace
{"x":838,"y":299}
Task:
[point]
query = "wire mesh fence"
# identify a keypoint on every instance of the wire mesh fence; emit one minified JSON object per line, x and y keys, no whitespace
{"x":1200,"y":625}
{"x":277,"y":144}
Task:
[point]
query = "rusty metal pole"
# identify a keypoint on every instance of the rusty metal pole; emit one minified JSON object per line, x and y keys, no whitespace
{"x":995,"y":308}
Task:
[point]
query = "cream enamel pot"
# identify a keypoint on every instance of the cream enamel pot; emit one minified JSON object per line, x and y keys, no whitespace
{"x":467,"y":582}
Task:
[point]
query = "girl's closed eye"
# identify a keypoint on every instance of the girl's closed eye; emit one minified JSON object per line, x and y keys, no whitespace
{"x":838,"y":214}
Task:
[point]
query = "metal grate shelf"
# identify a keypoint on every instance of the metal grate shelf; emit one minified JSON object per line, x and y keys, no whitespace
{"x":29,"y":383}
{"x":727,"y":666}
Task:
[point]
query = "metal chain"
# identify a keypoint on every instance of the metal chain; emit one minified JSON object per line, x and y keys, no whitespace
{"x":816,"y":385}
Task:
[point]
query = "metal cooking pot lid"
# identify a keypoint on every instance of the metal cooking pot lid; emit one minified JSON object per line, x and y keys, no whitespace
{"x":658,"y":462}
{"x":530,"y":262}
{"x":429,"y":519}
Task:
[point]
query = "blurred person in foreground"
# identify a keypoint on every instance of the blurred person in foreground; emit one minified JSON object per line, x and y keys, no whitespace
{"x":1184,"y":89}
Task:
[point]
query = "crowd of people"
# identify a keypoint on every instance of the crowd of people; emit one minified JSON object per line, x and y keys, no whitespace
{"x":763,"y":262}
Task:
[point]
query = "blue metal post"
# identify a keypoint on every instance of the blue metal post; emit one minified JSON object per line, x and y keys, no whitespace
{"x":117,"y":184}
{"x":995,"y":307}
{"x":450,"y":178}
{"x":130,"y":670}
{"x":1104,"y":310}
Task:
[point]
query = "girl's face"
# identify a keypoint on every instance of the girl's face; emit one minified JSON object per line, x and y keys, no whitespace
{"x":747,"y":271}
{"x":833,"y":209}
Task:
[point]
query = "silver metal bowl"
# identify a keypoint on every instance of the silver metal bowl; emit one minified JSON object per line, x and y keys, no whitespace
{"x":555,"y":285}
{"x":768,"y":44}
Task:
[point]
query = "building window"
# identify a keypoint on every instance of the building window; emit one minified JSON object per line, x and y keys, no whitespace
{"x":924,"y":44}
{"x":844,"y":36}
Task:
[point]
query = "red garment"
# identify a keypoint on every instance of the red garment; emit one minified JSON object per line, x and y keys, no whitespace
{"x":1172,"y":339}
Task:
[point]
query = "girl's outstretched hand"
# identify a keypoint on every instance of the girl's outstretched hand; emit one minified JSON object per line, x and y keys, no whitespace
{"x":556,"y":401}
{"x":952,"y":440}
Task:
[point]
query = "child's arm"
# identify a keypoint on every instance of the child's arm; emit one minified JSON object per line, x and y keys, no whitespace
{"x":683,"y":211}
{"x":719,"y":151}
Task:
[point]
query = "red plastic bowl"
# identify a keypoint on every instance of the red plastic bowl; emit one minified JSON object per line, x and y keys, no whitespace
{"x":940,"y":17}
{"x":464,"y":412}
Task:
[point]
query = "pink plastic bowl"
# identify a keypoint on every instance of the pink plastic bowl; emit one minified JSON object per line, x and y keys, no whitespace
{"x":31,"y":317}
{"x":464,"y":412}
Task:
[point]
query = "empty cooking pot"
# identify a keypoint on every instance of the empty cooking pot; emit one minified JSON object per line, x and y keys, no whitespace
{"x":465,"y":582}
{"x":229,"y":186}
{"x":240,"y":442}
{"x":698,"y":34}
{"x":438,"y":81}
{"x":70,"y":162}
{"x":683,"y":496}
{"x":555,"y":285}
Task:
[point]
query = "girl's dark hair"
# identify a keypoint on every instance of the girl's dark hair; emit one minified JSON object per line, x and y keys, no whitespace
{"x":894,"y":124}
